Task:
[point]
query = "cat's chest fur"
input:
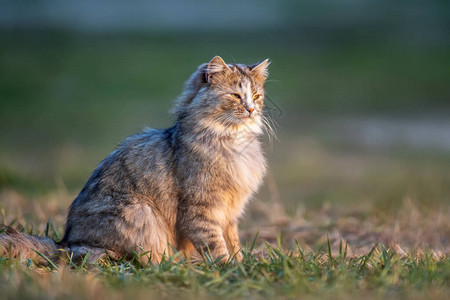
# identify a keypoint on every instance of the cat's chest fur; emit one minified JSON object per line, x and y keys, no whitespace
{"x":248,"y":166}
{"x":243,"y":165}
{"x":223,"y":171}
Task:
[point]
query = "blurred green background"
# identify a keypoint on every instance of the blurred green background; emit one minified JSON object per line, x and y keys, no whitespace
{"x":360,"y":90}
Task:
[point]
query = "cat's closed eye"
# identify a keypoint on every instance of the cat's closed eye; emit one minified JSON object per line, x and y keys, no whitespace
{"x":256,"y":96}
{"x":237,"y":96}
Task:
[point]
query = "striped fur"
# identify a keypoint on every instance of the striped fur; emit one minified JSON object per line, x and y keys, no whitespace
{"x":183,"y":187}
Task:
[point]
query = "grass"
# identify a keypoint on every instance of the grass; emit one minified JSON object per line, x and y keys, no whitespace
{"x":278,"y":273}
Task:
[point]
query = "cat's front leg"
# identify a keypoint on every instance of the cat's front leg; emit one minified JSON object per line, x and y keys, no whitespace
{"x":232,"y":240}
{"x":196,"y":224}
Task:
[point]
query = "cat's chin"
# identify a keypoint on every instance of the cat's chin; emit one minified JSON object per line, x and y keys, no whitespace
{"x":236,"y":123}
{"x":250,"y":124}
{"x":245,"y":117}
{"x":249,"y":119}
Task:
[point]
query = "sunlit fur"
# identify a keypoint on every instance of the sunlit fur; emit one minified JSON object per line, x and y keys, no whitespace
{"x":183,"y":187}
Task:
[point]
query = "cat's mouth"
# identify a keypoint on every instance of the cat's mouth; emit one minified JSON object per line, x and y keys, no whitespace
{"x":237,"y":118}
{"x":246,"y":115}
{"x":242,"y":119}
{"x":246,"y":119}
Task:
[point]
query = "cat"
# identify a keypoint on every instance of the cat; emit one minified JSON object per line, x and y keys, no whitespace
{"x":183,"y":188}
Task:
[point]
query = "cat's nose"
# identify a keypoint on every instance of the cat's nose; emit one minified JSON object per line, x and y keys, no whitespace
{"x":250,"y":110}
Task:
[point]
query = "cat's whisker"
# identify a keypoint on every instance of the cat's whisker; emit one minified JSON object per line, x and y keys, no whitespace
{"x":271,"y":133}
{"x":226,"y":120}
{"x":268,"y":130}
{"x":267,"y":122}
{"x":274,"y":81}
{"x":223,"y":120}
{"x":273,"y":124}
{"x":231,"y":120}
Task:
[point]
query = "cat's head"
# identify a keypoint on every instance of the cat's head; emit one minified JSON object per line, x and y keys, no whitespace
{"x":225,"y":95}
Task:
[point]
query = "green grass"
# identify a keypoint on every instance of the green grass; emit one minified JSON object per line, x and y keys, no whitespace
{"x":278,"y":273}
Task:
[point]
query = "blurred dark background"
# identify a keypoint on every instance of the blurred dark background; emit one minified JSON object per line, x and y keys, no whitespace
{"x":360,"y":90}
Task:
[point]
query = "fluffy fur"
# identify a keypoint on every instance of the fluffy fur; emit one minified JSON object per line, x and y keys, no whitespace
{"x":183,"y":187}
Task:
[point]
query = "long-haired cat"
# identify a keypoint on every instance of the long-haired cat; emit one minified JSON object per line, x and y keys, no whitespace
{"x":183,"y":187}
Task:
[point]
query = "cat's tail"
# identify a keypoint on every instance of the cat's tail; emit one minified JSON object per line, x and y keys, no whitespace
{"x":19,"y":245}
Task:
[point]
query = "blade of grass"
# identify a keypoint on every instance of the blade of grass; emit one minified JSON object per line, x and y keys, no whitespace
{"x":47,"y":227}
{"x":47,"y":259}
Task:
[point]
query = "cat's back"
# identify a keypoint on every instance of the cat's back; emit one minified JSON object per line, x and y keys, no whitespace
{"x":140,"y":165}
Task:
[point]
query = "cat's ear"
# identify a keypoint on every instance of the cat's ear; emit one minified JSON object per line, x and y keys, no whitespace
{"x":215,"y":65}
{"x":260,"y":69}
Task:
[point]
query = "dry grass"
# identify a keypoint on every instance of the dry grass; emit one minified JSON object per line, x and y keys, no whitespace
{"x":412,"y":230}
